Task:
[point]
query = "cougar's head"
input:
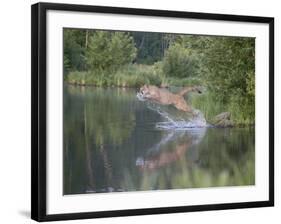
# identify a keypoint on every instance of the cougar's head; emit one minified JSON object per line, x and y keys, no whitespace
{"x":144,"y":91}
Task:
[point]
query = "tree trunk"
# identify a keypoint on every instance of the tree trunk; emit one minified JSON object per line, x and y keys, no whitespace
{"x":86,"y":39}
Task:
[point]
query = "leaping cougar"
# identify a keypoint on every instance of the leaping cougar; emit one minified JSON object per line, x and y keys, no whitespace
{"x":164,"y":97}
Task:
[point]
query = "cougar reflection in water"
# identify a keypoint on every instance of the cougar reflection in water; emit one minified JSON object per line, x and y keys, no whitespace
{"x":171,"y":148}
{"x":165,"y":97}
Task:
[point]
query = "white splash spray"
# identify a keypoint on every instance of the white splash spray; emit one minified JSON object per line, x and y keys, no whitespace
{"x":173,"y":122}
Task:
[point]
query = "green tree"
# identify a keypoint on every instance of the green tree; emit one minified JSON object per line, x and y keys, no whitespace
{"x":74,"y":50}
{"x":229,"y":63}
{"x":229,"y":71}
{"x":108,"y":51}
{"x":180,"y":62}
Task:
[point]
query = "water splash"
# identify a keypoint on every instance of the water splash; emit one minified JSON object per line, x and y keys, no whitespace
{"x":179,"y":120}
{"x":198,"y":121}
{"x":140,"y":96}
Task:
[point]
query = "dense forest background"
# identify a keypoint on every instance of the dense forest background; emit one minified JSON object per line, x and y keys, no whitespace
{"x":225,"y":66}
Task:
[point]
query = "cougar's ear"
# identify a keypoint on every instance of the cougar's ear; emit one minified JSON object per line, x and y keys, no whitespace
{"x":199,"y":89}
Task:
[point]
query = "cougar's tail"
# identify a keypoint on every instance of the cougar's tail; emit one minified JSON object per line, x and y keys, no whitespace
{"x":189,"y":89}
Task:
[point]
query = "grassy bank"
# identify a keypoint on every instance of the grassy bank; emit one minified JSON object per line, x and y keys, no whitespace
{"x":128,"y":76}
{"x":210,"y":106}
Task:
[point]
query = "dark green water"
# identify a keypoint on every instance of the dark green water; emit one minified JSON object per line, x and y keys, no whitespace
{"x":111,"y":144}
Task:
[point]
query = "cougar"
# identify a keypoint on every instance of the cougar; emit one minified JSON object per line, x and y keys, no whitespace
{"x":165,"y":97}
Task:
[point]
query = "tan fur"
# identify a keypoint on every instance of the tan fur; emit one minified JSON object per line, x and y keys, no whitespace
{"x":166,"y":157}
{"x":164,"y":97}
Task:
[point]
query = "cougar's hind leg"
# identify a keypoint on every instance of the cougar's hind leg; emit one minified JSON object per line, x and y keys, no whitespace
{"x":180,"y":107}
{"x":183,"y":106}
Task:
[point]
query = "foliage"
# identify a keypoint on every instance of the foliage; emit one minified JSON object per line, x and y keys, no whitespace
{"x":74,"y":50}
{"x":151,"y":46}
{"x":179,"y":62}
{"x":229,"y":63}
{"x":229,"y":72}
{"x":108,"y":51}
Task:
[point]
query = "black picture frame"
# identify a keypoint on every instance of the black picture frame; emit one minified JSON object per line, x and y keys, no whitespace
{"x":39,"y":107}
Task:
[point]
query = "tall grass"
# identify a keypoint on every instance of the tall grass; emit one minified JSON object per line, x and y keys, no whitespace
{"x":207,"y":104}
{"x":127,"y":76}
{"x":211,"y":106}
{"x":137,"y":75}
{"x":133,"y":75}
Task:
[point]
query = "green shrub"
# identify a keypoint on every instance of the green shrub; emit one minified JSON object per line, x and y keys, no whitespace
{"x":179,"y":62}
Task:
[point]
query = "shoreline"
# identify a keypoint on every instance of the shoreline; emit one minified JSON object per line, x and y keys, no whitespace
{"x":112,"y":86}
{"x":238,"y":125}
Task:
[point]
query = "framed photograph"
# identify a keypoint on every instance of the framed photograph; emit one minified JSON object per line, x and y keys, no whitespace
{"x":140,"y":111}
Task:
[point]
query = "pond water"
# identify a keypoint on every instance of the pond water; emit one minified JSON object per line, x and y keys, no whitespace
{"x":112,"y":144}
